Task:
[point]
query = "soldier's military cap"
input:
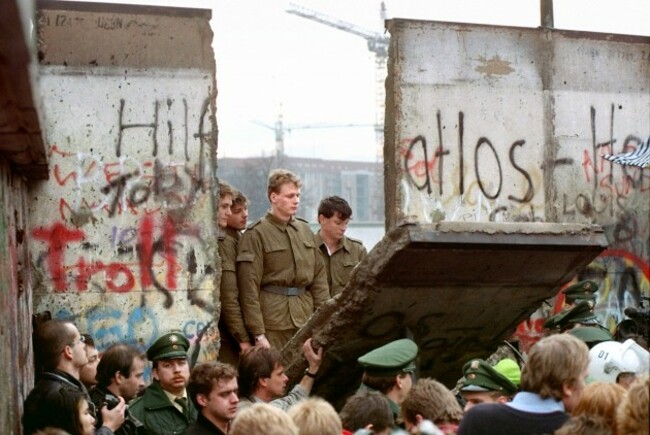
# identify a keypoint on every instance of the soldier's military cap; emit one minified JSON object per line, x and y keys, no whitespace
{"x":581,"y":312}
{"x":391,"y":359}
{"x":592,"y":335}
{"x":582,"y":290}
{"x":169,"y":346}
{"x":481,"y":376}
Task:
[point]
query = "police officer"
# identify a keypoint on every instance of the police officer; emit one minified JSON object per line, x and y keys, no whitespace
{"x":580,"y":291}
{"x":340,"y":253}
{"x":280,"y":272}
{"x":164,"y":407}
{"x":389,"y":369}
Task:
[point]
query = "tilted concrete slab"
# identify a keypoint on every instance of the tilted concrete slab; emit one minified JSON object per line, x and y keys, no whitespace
{"x":457,"y":288}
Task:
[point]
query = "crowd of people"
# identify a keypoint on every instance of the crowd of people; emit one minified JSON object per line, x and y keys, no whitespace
{"x":580,"y":379}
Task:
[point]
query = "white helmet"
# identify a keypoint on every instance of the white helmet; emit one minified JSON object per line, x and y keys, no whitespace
{"x":610,"y":358}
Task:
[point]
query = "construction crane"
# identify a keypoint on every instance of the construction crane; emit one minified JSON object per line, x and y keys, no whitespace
{"x":377,"y":44}
{"x":280,"y":129}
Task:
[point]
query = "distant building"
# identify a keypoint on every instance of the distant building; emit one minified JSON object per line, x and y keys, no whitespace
{"x":360,"y":183}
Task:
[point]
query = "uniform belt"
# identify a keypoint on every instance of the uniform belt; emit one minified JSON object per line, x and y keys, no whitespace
{"x":285,"y":291}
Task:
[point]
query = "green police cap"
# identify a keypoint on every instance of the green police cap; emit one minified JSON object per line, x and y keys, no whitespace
{"x":170,"y":345}
{"x":581,"y":312}
{"x":481,"y":376}
{"x":583,"y":290}
{"x":391,"y":359}
{"x":592,"y":335}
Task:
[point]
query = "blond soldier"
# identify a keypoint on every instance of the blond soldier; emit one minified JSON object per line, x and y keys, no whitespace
{"x":341,"y":254}
{"x":280,"y":272}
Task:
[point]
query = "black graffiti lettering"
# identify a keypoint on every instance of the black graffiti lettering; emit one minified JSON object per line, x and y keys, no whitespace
{"x":440,"y":152}
{"x":384,"y":325}
{"x":530,"y":192}
{"x":139,"y":194}
{"x":117,"y":185}
{"x":122,"y":127}
{"x":480,"y":142}
{"x":461,"y":162}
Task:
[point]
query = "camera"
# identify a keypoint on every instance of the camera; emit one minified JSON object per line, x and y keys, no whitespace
{"x":111,"y":401}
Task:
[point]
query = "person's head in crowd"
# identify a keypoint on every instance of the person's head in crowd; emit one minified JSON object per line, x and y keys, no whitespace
{"x":334,"y":215}
{"x":389,"y":369}
{"x":284,"y":193}
{"x":88,"y":373}
{"x":261,"y":374}
{"x":213,"y":390}
{"x":367,"y":410}
{"x":580,"y":291}
{"x":263,"y":419}
{"x":584,"y":425}
{"x":315,"y":416}
{"x":600,"y":399}
{"x":225,"y":202}
{"x":120,"y":371}
{"x":591,"y":335}
{"x":430,"y":400}
{"x":632,"y":414}
{"x":58,"y":345}
{"x":485,"y":384}
{"x":557,"y":368}
{"x":611,"y":361}
{"x":70,"y":412}
{"x":579,"y":314}
{"x":170,"y":366}
{"x":238,"y":218}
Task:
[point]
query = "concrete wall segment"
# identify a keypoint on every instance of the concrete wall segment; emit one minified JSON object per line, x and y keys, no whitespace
{"x":123,"y":235}
{"x":504,"y":124}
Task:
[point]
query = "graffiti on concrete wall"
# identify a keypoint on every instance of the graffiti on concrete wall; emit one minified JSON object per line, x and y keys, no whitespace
{"x":489,"y":179}
{"x":123,"y":242}
{"x":483,"y":179}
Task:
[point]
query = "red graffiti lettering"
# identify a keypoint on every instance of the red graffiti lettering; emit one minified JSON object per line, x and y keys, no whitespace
{"x":57,"y":236}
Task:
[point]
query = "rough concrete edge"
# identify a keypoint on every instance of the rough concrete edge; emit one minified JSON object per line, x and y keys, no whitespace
{"x":330,"y":318}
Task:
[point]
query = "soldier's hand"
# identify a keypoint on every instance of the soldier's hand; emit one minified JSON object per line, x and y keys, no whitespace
{"x":262,"y":342}
{"x":244,"y":347}
{"x":314,"y":358}
{"x":114,"y":418}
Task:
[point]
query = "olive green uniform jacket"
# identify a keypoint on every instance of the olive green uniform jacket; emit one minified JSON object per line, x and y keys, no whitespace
{"x":231,"y":315}
{"x":339,"y":266}
{"x":272,"y":252}
{"x":158,"y":414}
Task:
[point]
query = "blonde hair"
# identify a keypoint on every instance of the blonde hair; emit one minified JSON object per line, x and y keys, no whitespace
{"x":315,"y":416}
{"x":553,"y":362}
{"x":632,"y":414}
{"x":279,"y":177}
{"x":600,"y":399}
{"x":433,"y":401}
{"x":263,"y":419}
{"x":225,"y":189}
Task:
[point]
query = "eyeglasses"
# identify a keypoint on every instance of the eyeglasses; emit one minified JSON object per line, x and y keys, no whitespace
{"x":82,"y":339}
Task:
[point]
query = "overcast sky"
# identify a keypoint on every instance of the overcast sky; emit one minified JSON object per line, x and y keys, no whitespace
{"x":271,"y":62}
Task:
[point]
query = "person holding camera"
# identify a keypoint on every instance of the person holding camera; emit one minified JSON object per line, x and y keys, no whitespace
{"x":119,"y":374}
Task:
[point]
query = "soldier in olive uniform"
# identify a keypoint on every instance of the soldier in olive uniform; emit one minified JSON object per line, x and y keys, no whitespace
{"x":280,"y":271}
{"x":341,"y":254}
{"x":164,"y":408}
{"x":234,"y":337}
